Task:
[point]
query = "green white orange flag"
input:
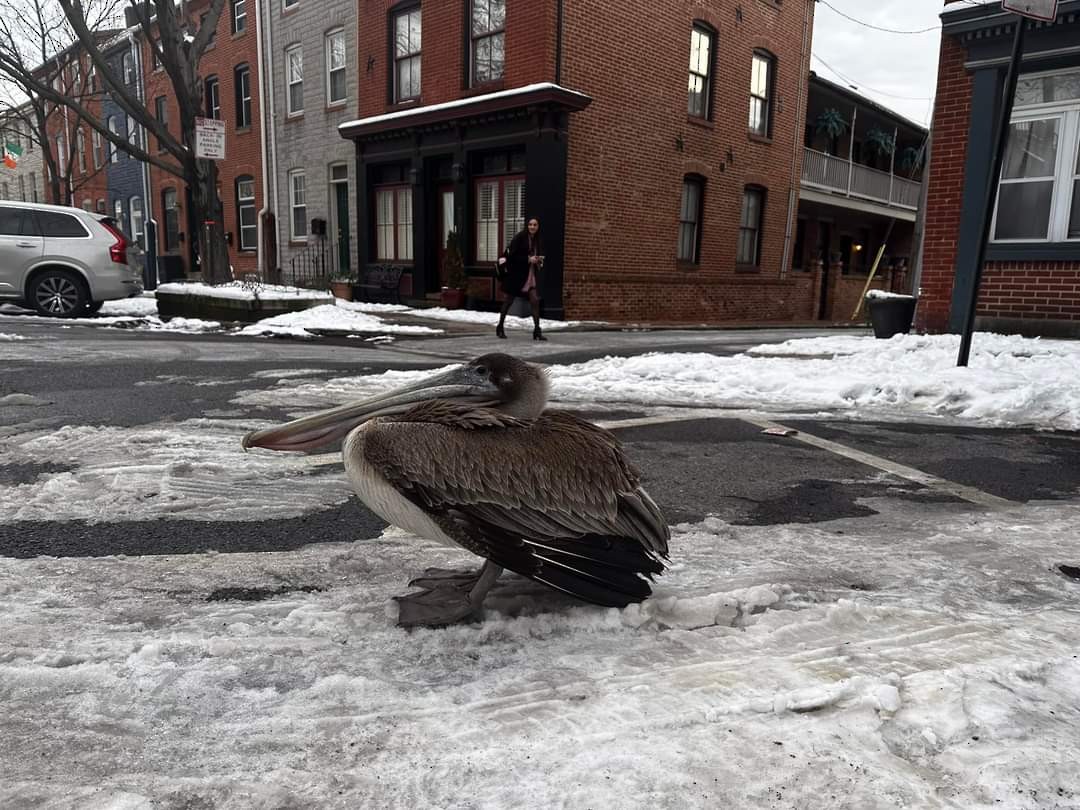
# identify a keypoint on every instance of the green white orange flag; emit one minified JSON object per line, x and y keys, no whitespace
{"x":12,"y":153}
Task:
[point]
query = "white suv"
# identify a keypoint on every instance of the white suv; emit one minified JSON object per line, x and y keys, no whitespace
{"x":62,"y":261}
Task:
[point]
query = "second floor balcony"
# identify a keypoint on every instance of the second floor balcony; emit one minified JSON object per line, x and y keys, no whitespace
{"x":845,"y":178}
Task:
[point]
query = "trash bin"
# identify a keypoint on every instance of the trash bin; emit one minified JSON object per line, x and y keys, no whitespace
{"x":891,"y":314}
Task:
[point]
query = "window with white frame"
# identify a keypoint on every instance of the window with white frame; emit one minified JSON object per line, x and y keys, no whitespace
{"x":114,"y":128}
{"x":690,"y":219}
{"x":294,"y":68}
{"x":406,"y":28}
{"x":80,"y":149}
{"x":1039,"y":191}
{"x":500,"y":214}
{"x":135,"y":209}
{"x":298,"y":229}
{"x":488,"y":38}
{"x":132,"y":132}
{"x":393,"y":224}
{"x":239,"y":16}
{"x":98,"y":147}
{"x":335,"y":67}
{"x":212,"y":97}
{"x":749,"y":251}
{"x":127,"y":67}
{"x":22,"y":188}
{"x":62,"y":156}
{"x":33,"y":188}
{"x":287,"y":4}
{"x":245,"y":212}
{"x":242,"y":85}
{"x":701,"y":59}
{"x":118,"y":213}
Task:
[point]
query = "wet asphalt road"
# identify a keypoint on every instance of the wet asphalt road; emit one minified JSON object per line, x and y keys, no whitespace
{"x":715,"y":466}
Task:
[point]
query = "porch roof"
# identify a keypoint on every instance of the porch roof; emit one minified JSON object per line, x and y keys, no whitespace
{"x":533,"y":95}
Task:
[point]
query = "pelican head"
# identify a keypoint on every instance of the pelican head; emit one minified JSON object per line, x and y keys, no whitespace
{"x":499,"y":381}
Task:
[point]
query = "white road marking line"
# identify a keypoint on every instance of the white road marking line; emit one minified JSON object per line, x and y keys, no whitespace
{"x":903,"y":471}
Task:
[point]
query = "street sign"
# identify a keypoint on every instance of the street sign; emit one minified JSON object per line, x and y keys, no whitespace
{"x":209,"y":139}
{"x":1036,"y":9}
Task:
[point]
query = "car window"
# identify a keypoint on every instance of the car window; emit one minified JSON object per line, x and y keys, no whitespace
{"x":10,"y":222}
{"x":59,"y":225}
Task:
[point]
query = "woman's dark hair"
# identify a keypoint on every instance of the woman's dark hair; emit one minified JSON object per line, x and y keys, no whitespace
{"x":539,"y":244}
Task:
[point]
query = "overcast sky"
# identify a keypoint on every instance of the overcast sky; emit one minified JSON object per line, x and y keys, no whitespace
{"x":896,"y":70}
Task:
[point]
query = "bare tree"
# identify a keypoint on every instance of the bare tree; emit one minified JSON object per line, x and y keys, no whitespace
{"x":178,"y":38}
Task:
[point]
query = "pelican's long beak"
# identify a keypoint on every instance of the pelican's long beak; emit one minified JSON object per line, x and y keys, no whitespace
{"x":327,"y":426}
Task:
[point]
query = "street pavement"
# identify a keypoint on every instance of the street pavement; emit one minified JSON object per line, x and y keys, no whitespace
{"x":696,"y":463}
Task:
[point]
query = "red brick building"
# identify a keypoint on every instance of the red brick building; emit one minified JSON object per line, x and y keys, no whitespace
{"x":1031,"y":278}
{"x":229,"y":72}
{"x":79,"y":160}
{"x":663,"y":193}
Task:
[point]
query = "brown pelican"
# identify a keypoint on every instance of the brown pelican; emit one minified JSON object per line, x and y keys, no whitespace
{"x":472,"y":457}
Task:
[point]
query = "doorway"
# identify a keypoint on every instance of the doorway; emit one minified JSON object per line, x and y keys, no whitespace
{"x":444,"y":224}
{"x":339,"y":200}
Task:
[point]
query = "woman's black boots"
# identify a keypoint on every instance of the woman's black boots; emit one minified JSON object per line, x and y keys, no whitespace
{"x":500,"y":332}
{"x":537,"y":334}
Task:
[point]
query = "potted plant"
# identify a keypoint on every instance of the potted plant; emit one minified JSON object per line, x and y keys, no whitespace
{"x":453,"y":293}
{"x":832,"y":125}
{"x":341,"y":285}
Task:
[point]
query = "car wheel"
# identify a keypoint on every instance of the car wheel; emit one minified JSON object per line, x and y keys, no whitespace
{"x":94,"y":306}
{"x":58,"y":294}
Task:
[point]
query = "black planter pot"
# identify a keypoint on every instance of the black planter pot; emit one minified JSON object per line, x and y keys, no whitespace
{"x":891,"y":316}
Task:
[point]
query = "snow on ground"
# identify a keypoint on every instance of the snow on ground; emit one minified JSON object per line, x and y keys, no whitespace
{"x":793,"y":666}
{"x":491,"y":319}
{"x":329,"y":316}
{"x":1011,"y":381}
{"x":9,"y":336}
{"x":241,"y":291}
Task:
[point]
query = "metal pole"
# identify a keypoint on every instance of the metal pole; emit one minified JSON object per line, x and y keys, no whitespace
{"x":990,"y":198}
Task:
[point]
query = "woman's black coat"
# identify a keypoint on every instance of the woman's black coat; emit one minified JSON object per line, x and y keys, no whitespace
{"x":517,"y":263}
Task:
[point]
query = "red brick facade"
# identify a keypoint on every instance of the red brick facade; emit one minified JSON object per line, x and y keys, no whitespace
{"x":243,"y":150}
{"x":1023,"y":294}
{"x":631,"y":149}
{"x":952,"y":112}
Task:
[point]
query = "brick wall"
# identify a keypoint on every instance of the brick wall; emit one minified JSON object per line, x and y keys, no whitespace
{"x":530,"y":52}
{"x":630,"y":150}
{"x":1031,"y":290}
{"x":952,"y":111}
{"x":242,"y":146}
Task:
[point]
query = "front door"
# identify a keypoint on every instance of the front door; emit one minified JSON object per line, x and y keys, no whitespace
{"x":444,"y":223}
{"x":339,"y":194}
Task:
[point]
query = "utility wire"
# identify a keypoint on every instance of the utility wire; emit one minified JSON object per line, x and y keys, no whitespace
{"x":877,"y":27}
{"x":849,"y":80}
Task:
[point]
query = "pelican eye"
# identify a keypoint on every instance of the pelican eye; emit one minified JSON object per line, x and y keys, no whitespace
{"x":481,"y":370}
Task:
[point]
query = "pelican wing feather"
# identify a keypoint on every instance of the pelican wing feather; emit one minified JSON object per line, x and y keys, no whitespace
{"x":554,"y":499}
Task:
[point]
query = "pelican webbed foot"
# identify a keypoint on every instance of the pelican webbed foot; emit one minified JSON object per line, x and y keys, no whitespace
{"x":449,"y":597}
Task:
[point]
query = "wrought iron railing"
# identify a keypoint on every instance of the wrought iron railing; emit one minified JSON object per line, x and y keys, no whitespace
{"x":855,"y":180}
{"x":313,"y":266}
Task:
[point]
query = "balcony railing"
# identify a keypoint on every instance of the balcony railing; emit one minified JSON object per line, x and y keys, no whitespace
{"x":850,"y":179}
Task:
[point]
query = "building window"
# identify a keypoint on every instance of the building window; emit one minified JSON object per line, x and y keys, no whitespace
{"x":690,"y":219}
{"x":394,"y":224}
{"x":135,"y":209}
{"x":701,"y":56}
{"x":118,"y":213}
{"x":298,"y":205}
{"x":80,"y":149}
{"x":62,"y":156}
{"x":287,"y":4}
{"x":155,"y":54}
{"x":33,"y":188}
{"x":406,"y":28}
{"x":114,"y":128}
{"x":101,"y":206}
{"x":5,"y":194}
{"x":242,"y":83}
{"x":500,"y":214}
{"x":161,"y":113}
{"x":488,"y":36}
{"x":212,"y":96}
{"x":132,"y":132}
{"x":750,"y":226}
{"x":335,"y":67}
{"x":127,"y":67}
{"x":239,"y":16}
{"x":22,"y":188}
{"x":246,"y":226}
{"x":172,"y":219}
{"x":1040,"y":175}
{"x":761,"y":79}
{"x":294,"y":61}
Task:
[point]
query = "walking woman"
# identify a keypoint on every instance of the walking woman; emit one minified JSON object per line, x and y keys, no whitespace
{"x":524,"y":261}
